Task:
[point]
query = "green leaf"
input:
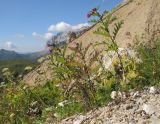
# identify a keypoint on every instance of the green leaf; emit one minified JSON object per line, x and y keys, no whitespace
{"x":61,"y":60}
{"x":102,"y":33}
{"x":93,"y":21}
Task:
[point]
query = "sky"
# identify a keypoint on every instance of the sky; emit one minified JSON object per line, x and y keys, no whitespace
{"x":26,"y":25}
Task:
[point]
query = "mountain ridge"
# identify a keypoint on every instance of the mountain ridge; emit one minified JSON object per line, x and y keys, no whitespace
{"x":12,"y":55}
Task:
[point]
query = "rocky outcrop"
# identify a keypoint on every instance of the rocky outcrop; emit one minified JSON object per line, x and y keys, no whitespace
{"x":140,"y":107}
{"x":39,"y":75}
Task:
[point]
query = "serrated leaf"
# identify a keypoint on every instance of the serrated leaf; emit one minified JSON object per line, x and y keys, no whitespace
{"x":102,"y":33}
{"x":93,"y":21}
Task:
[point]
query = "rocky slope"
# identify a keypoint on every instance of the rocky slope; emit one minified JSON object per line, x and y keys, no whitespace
{"x":140,"y":107}
{"x":141,"y":22}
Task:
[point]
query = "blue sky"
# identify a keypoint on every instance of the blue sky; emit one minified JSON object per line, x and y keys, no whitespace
{"x":25,"y":25}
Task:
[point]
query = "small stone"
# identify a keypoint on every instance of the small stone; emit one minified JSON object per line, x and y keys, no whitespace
{"x":148,"y":109}
{"x":136,"y":94}
{"x":80,"y":119}
{"x":131,"y":93}
{"x":113,"y":95}
{"x":132,"y":122}
{"x":120,"y":94}
{"x":153,"y":90}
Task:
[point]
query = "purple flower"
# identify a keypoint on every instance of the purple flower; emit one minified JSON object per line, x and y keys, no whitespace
{"x":50,"y":51}
{"x":88,"y":15}
{"x":94,"y":10}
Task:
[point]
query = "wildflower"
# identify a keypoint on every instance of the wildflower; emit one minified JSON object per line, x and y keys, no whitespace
{"x":62,"y":104}
{"x":88,"y":15}
{"x":2,"y":83}
{"x":58,"y":85}
{"x":28,"y":68}
{"x":5,"y":70}
{"x":93,"y":12}
{"x":34,"y":104}
{"x":49,"y":108}
{"x":20,"y":76}
{"x":56,"y":115}
{"x":7,"y":73}
{"x":12,"y":115}
{"x":25,"y":87}
{"x":40,"y":60}
{"x":50,"y":50}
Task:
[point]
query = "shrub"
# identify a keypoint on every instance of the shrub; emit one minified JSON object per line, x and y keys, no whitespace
{"x":20,"y":104}
{"x":150,"y":62}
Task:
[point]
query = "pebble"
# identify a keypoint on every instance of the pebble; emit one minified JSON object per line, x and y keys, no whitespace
{"x":149,"y":109}
{"x":113,"y":95}
{"x":153,"y":90}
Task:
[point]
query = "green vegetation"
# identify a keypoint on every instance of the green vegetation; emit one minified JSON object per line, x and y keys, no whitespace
{"x":80,"y":83}
{"x":16,"y":66}
{"x":149,"y":67}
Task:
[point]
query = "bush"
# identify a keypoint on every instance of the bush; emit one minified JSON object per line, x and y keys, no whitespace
{"x":20,"y":104}
{"x":150,"y":62}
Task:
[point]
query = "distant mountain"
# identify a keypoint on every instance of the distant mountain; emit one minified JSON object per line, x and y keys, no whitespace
{"x":61,"y":37}
{"x":6,"y":54}
{"x":35,"y":55}
{"x":12,"y":55}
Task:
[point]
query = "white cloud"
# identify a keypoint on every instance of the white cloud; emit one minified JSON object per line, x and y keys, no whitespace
{"x":59,"y":27}
{"x":63,"y":26}
{"x":35,"y":34}
{"x":79,"y":26}
{"x":45,"y":36}
{"x":9,"y":45}
{"x":48,"y":36}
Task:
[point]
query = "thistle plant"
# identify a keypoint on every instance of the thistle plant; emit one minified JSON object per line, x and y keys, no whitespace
{"x":74,"y":73}
{"x":7,"y":74}
{"x":106,"y":19}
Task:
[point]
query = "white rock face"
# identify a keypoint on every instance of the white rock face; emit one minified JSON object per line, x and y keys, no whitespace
{"x":112,"y":55}
{"x":149,"y":109}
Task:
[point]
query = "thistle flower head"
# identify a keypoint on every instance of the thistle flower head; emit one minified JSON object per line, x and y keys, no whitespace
{"x":92,"y":12}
